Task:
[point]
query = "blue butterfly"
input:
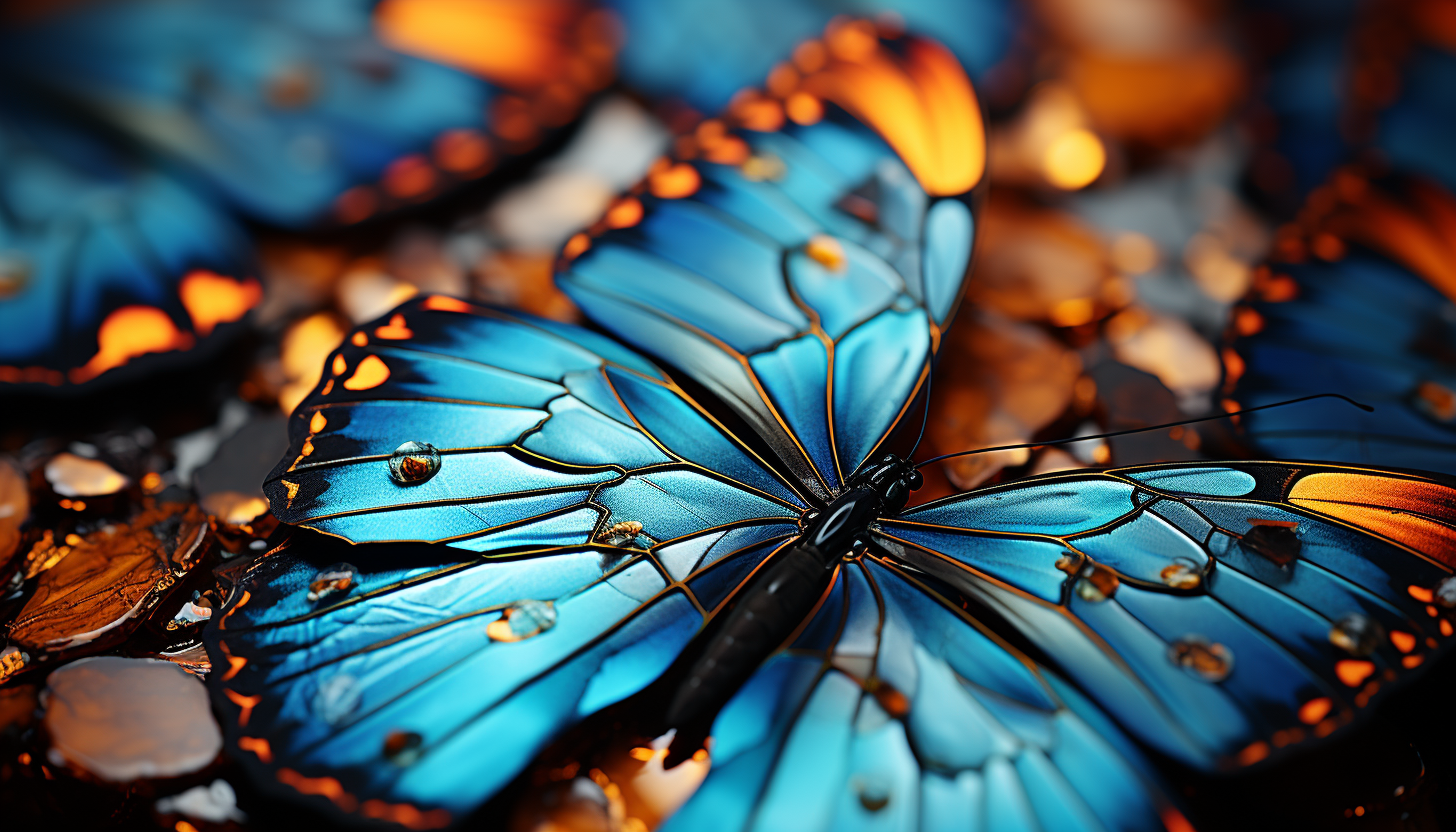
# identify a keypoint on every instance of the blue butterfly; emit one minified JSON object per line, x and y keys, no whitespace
{"x":132,"y":130}
{"x":1367,"y":308}
{"x":281,"y":109}
{"x":722,"y":558}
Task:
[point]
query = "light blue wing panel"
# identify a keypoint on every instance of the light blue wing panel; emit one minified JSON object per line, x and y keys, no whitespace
{"x":278,"y":108}
{"x":1218,"y":612}
{"x":809,"y":299}
{"x":382,"y":690}
{"x":86,"y":230}
{"x":1366,"y":327}
{"x":526,"y":434}
{"x":896,"y":711}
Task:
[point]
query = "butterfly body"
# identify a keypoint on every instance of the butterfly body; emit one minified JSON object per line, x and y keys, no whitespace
{"x":781,"y":600}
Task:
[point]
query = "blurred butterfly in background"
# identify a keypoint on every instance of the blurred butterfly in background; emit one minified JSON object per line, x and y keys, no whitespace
{"x":132,"y":130}
{"x":1360,"y":297}
{"x":716,"y":566}
{"x":702,"y":54}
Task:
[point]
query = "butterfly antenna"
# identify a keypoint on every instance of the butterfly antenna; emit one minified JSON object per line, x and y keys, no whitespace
{"x":1365,"y":407}
{"x":924,"y":414}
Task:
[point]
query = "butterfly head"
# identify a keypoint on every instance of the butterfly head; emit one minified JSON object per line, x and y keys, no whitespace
{"x":893,"y":479}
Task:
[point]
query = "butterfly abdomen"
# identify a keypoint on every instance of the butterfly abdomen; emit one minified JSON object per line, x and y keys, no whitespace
{"x":769,"y":610}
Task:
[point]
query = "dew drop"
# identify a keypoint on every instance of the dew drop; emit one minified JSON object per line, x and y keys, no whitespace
{"x":1181,"y":574}
{"x":332,"y":580}
{"x":522,"y":620}
{"x":403,"y":747}
{"x":620,"y":534}
{"x":413,"y":463}
{"x":1445,"y":593}
{"x":1357,"y":634}
{"x":1277,"y":543}
{"x":1210,"y":662}
{"x":874,"y":794}
{"x":1097,"y":583}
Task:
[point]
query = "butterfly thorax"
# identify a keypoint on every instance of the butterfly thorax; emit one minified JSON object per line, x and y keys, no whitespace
{"x":778,"y":600}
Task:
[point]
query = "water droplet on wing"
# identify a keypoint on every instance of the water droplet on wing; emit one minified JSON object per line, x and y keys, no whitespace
{"x":1356,"y":634}
{"x":1181,"y":574}
{"x":332,"y":580}
{"x":1446,"y":592}
{"x":1211,"y":662}
{"x":522,"y":620}
{"x":413,"y":463}
{"x":1098,"y":583}
{"x":403,"y":747}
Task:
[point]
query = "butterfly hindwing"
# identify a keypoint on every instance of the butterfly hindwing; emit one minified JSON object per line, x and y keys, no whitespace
{"x":1218,"y":612}
{"x":375,"y":696}
{"x":895,"y":710}
{"x":803,"y":272}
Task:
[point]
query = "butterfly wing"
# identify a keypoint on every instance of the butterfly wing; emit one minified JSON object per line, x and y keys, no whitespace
{"x":1219,"y":613}
{"x":803,"y":272}
{"x":295,"y":115}
{"x":704,"y":53}
{"x":544,"y":434}
{"x":102,"y":258}
{"x":1373,"y":317}
{"x":556,"y":450}
{"x":894,"y":709}
{"x":380,"y":701}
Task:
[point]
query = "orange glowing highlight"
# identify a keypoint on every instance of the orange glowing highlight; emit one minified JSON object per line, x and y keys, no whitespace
{"x":1411,"y":662}
{"x":1253,"y":753}
{"x":803,"y":108}
{"x":184,"y":826}
{"x":625,"y":214}
{"x":405,"y":815}
{"x":127,"y":333}
{"x":1315,"y":710}
{"x":673,"y":181}
{"x":1419,"y":514}
{"x":322,"y":786}
{"x":1420,"y":593}
{"x":1173,"y":820}
{"x":359,"y":339}
{"x":922,"y":104}
{"x":356,"y":204}
{"x":258,"y":746}
{"x":370,"y":373}
{"x":463,"y":151}
{"x":409,"y":177}
{"x":246,"y":703}
{"x":576,"y":246}
{"x":444,"y":303}
{"x":395,"y":330}
{"x":1354,"y":672}
{"x":212,"y":299}
{"x":512,"y":43}
{"x":339,"y":366}
{"x":1404,"y":642}
{"x":1074,"y":160}
{"x":827,"y":252}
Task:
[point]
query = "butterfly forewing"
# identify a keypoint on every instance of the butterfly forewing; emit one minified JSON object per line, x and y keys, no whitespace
{"x":1219,"y":612}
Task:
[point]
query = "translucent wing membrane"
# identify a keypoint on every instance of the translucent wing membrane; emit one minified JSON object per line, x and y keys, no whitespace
{"x":294,"y":113}
{"x":1372,"y":318}
{"x":1218,"y":613}
{"x":489,"y":430}
{"x":373,"y":688}
{"x":102,"y":259}
{"x":802,"y":267}
{"x":895,"y":710}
